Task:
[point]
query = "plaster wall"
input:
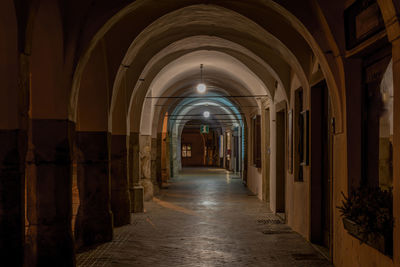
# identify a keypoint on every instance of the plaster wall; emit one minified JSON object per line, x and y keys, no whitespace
{"x":298,"y":192}
{"x":254,"y":180}
{"x":254,"y":174}
{"x":347,"y":250}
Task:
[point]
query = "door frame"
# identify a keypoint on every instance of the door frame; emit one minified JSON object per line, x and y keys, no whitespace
{"x":317,"y":165}
{"x":281,"y":107}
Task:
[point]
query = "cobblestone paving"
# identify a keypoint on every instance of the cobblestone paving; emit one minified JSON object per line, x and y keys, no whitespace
{"x":204,"y":218}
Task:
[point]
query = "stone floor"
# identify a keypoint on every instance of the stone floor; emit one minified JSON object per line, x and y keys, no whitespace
{"x":205,"y":218}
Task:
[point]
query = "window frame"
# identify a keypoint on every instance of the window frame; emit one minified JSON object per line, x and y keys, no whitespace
{"x":184,"y":149}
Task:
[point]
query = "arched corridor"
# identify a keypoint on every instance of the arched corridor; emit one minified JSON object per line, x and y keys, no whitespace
{"x":195,"y":222}
{"x":127,"y":125}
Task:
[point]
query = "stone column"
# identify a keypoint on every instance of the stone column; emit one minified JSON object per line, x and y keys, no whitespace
{"x":175,"y":151}
{"x":49,"y":194}
{"x":145,"y":166}
{"x":12,"y":172}
{"x":154,"y":178}
{"x":120,"y":200}
{"x":168,"y":156}
{"x":158,"y":160}
{"x":94,"y":222}
{"x":135,"y":189}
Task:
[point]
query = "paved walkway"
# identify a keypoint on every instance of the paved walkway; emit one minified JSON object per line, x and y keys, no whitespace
{"x":205,"y":218}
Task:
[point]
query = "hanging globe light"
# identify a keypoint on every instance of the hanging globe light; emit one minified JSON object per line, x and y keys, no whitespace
{"x":201,"y":87}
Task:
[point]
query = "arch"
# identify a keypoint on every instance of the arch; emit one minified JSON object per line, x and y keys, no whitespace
{"x":284,"y":53}
{"x":186,"y":88}
{"x":293,"y":27}
{"x":218,"y":66}
{"x":215,"y":105}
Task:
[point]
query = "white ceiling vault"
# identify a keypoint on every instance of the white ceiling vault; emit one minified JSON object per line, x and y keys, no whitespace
{"x":156,"y":52}
{"x":234,"y":50}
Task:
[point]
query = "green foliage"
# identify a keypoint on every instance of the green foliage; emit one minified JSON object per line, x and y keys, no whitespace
{"x":372,"y":209}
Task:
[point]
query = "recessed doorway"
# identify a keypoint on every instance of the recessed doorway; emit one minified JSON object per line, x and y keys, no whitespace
{"x":321,"y":178}
{"x":280,"y":161}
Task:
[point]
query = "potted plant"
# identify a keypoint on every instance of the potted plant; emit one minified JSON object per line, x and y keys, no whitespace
{"x":368,"y":215}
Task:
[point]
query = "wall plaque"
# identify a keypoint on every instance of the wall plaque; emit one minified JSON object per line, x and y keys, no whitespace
{"x":363,"y":19}
{"x":304,"y":157}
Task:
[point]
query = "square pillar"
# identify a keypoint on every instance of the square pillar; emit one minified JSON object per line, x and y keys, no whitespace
{"x":135,"y":189}
{"x":49,"y":193}
{"x":154,"y":177}
{"x":120,"y":199}
{"x":158,"y":160}
{"x":145,"y":166}
{"x":94,"y":222}
{"x":12,"y":181}
{"x":138,"y":197}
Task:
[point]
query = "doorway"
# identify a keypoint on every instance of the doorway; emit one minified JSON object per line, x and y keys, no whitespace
{"x":280,"y":160}
{"x":199,"y":149}
{"x":321,"y":180}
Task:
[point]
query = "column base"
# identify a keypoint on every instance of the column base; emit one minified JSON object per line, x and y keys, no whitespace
{"x":93,"y":229}
{"x":52,"y":245}
{"x":148,"y":189}
{"x":120,"y":202}
{"x":156,"y":189}
{"x":138,"y":199}
{"x":49,"y":194}
{"x":94,"y":222}
{"x":121,"y":207}
{"x":12,"y":158}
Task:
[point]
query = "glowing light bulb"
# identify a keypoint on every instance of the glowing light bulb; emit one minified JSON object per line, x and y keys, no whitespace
{"x":201,"y":88}
{"x":206,"y":114}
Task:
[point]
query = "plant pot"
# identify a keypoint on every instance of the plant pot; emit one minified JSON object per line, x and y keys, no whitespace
{"x":377,"y":241}
{"x":351,"y":227}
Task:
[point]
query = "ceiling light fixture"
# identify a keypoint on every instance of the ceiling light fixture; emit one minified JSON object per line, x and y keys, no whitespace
{"x":201,"y":87}
{"x":206,"y":114}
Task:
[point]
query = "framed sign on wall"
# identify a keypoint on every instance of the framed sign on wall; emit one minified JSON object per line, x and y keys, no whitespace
{"x":304,"y":160}
{"x":363,"y":20}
